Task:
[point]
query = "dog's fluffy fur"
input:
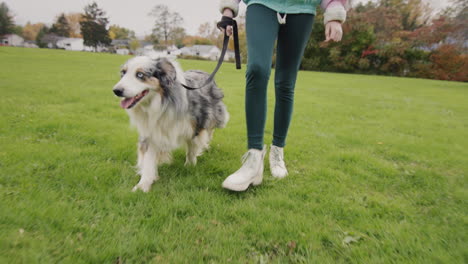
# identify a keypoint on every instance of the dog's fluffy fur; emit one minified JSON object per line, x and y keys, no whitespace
{"x":166,"y":115}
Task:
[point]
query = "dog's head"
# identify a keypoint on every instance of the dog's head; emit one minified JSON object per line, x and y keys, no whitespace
{"x":143,"y":77}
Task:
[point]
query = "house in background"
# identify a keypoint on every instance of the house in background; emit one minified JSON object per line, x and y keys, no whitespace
{"x":50,"y":40}
{"x":121,"y":46}
{"x":30,"y":44}
{"x":120,"y":43}
{"x":122,"y":51}
{"x":12,"y":40}
{"x":210,"y":52}
{"x":75,"y":44}
{"x":206,"y":51}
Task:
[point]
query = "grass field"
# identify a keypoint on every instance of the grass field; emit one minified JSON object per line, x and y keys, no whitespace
{"x":377,"y":165}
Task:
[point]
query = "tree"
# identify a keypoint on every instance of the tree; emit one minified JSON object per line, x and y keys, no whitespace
{"x":116,"y":32}
{"x":61,"y":26}
{"x":93,"y":26}
{"x":449,"y":64}
{"x":42,"y":32}
{"x":204,"y":30}
{"x":6,"y":20}
{"x":134,"y":44}
{"x":30,"y":31}
{"x":178,"y":36}
{"x":74,"y":24}
{"x":166,"y":24}
{"x":151,"y":38}
{"x":18,"y":30}
{"x":211,"y":32}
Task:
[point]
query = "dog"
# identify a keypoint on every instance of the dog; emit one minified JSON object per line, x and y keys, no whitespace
{"x":166,"y":115}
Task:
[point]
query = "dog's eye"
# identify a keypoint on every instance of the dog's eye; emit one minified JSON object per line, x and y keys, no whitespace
{"x":122,"y":73}
{"x":140,"y":75}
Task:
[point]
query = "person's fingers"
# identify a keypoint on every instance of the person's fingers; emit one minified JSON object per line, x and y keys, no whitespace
{"x":334,"y":34}
{"x":333,"y":31}
{"x":339,"y":34}
{"x":229,"y":30}
{"x":327,"y":32}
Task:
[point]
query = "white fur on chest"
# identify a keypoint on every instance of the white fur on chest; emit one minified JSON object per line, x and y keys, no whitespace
{"x":164,"y":129}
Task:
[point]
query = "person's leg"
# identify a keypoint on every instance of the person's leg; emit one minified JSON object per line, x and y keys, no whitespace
{"x":292,"y":40}
{"x":262,"y":30}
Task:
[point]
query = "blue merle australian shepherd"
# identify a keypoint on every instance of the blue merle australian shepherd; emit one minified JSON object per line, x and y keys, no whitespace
{"x":166,"y":115}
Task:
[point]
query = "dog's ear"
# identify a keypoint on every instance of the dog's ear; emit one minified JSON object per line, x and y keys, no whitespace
{"x":165,"y":73}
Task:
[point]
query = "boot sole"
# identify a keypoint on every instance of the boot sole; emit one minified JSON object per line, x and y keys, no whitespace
{"x":242,"y":187}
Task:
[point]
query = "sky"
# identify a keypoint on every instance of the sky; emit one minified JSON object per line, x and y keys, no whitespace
{"x":131,"y":14}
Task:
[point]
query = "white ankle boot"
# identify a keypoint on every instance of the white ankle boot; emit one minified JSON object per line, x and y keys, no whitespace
{"x":277,"y":166}
{"x":251,"y":171}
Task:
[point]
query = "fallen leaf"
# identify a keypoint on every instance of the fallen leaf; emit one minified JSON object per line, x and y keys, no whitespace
{"x":291,"y":245}
{"x":350,"y":239}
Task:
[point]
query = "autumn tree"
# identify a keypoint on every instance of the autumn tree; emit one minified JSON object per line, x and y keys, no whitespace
{"x":152,"y":38}
{"x":30,"y":31}
{"x":167,"y":23}
{"x":134,"y":44}
{"x":93,"y":26}
{"x":73,"y":20}
{"x":460,"y":21}
{"x":211,"y":33}
{"x":7,"y":25}
{"x":117,"y":32}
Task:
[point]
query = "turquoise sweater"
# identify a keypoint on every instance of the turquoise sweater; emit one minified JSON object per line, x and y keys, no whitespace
{"x":288,"y":6}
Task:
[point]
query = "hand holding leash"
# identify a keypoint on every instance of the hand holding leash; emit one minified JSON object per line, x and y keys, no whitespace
{"x":228,"y":13}
{"x":228,"y":24}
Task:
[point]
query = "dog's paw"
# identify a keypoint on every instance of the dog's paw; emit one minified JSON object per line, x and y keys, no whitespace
{"x":145,"y":187}
{"x":190,"y":162}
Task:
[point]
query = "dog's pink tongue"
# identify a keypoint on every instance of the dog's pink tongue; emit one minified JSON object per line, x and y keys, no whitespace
{"x":127,"y":102}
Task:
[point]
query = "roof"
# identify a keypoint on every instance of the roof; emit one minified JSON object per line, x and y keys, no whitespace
{"x":120,"y":42}
{"x":71,"y":39}
{"x":10,"y":35}
{"x":51,"y":38}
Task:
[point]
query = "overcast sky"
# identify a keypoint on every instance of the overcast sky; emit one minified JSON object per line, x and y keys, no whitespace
{"x":132,"y":14}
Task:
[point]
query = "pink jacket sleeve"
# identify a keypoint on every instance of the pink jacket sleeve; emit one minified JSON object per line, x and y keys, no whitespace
{"x":334,"y":10}
{"x":231,"y":4}
{"x":327,"y":3}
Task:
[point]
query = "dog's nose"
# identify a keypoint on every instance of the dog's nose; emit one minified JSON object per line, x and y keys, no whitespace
{"x":118,"y":92}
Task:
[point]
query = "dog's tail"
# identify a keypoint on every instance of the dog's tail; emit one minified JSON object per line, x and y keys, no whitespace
{"x":221,"y":115}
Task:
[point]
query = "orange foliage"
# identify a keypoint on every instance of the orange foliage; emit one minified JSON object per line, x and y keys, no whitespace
{"x":448,"y":63}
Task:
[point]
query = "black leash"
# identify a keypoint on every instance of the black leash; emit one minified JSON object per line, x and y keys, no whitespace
{"x":224,"y":23}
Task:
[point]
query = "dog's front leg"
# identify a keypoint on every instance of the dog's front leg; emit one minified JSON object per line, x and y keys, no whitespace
{"x":147,"y":166}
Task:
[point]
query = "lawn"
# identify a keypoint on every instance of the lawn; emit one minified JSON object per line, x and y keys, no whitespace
{"x":377,"y":165}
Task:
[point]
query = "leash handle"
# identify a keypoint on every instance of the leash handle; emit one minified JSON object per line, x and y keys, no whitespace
{"x":223,"y":24}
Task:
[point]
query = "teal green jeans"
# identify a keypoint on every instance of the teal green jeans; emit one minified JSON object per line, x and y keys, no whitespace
{"x":263,"y":29}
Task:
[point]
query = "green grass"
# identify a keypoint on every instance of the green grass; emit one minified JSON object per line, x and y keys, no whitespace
{"x":379,"y":160}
